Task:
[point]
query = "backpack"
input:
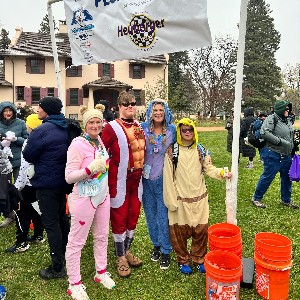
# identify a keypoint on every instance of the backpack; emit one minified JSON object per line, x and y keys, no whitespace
{"x":74,"y":130}
{"x":254,"y":136}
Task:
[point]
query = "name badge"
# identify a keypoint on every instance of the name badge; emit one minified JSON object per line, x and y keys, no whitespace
{"x":89,"y":187}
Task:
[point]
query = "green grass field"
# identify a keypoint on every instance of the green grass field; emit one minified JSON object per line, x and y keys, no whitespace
{"x":19,"y":272}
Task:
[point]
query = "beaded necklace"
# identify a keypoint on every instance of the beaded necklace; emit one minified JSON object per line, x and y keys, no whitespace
{"x":93,"y":142}
{"x":138,"y":132}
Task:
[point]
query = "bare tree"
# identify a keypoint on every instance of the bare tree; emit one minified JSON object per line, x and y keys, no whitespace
{"x":291,"y":87}
{"x":211,"y":70}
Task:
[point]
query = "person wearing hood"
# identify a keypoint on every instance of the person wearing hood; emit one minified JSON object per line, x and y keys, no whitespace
{"x":46,"y":149}
{"x":278,"y":132}
{"x":160,"y":134}
{"x":10,"y":122}
{"x":247,"y":151}
{"x":186,"y":197}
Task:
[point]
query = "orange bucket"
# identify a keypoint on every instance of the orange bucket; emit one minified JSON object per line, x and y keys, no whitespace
{"x":224,"y":235}
{"x":272,"y":282}
{"x":273,"y":261}
{"x":223,"y":273}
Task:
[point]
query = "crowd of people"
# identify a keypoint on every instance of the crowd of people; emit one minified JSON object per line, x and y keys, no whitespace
{"x":116,"y":166}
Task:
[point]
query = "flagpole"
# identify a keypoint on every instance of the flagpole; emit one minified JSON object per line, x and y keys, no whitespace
{"x":231,"y":218}
{"x":55,"y":54}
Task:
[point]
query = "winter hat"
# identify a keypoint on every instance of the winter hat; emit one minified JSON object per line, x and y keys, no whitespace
{"x":33,"y":121}
{"x":188,"y":122}
{"x":92,"y":113}
{"x":51,"y":105}
{"x":280,"y":107}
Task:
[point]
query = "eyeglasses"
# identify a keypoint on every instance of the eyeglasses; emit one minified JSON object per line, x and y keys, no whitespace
{"x":129,"y":103}
{"x":185,"y":130}
{"x":287,"y":109}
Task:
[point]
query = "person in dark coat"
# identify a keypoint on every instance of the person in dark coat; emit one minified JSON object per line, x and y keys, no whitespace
{"x":107,"y":114}
{"x":247,"y":151}
{"x":46,"y":149}
{"x":229,"y":128}
{"x":10,"y":122}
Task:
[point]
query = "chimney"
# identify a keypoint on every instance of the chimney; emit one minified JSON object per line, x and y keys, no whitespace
{"x":14,"y":40}
{"x":62,"y":28}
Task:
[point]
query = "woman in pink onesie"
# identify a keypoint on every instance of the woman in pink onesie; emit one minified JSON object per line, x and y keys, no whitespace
{"x":89,"y":203}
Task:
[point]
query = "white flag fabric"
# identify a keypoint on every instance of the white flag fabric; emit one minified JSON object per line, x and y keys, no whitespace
{"x":108,"y":30}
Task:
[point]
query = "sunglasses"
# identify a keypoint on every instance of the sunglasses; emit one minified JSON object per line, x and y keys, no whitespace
{"x":129,"y":103}
{"x":185,"y":130}
{"x":287,"y":109}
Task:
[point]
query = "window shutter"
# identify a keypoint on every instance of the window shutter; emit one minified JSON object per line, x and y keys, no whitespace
{"x":55,"y":92}
{"x":100,"y":70}
{"x":42,"y":66}
{"x":112,"y":70}
{"x":28,"y":66}
{"x":27,"y":95}
{"x":142,"y":93}
{"x":130,"y":71}
{"x":143,"y":71}
{"x":44,"y":92}
{"x":80,"y":96}
{"x":67,"y":97}
{"x":79,"y":71}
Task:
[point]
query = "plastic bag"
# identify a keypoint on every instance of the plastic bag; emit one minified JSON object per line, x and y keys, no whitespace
{"x":295,"y":168}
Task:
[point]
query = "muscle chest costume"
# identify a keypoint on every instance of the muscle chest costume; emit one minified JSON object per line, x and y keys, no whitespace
{"x":125,"y":142}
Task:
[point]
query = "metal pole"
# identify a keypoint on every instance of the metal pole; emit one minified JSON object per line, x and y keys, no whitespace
{"x":237,"y":109}
{"x":55,"y":54}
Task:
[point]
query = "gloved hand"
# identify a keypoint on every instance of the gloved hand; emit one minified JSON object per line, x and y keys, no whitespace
{"x":30,"y":171}
{"x":97,"y":165}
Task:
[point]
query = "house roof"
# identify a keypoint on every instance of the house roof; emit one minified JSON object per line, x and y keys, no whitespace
{"x":39,"y":44}
{"x":32,"y":44}
{"x":106,"y":82}
{"x":3,"y":82}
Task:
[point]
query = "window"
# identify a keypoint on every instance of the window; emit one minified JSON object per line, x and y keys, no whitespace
{"x":50,"y":92}
{"x":35,"y":95}
{"x":73,"y":96}
{"x":137,"y":95}
{"x":73,"y":116}
{"x":86,"y":92}
{"x":35,"y":65}
{"x":20,"y":92}
{"x":136,"y":71}
{"x":2,"y":70}
{"x":106,"y":70}
{"x":72,"y":71}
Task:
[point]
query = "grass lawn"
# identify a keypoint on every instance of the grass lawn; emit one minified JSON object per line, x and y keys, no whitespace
{"x":19,"y":272}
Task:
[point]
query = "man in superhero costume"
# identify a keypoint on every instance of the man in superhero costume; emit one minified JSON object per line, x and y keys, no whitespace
{"x":125,"y":141}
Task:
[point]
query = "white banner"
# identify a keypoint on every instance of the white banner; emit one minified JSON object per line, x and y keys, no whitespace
{"x":109,"y":30}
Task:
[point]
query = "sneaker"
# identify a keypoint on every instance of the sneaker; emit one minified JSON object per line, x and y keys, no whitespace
{"x":201,"y":268}
{"x":258,"y":203}
{"x":35,"y":239}
{"x":165,"y":261}
{"x":249,"y":166}
{"x":17,"y":248}
{"x":105,"y":279}
{"x":50,"y":273}
{"x":155,"y":254}
{"x":133,"y":261}
{"x":123,"y":268}
{"x":77,"y":292}
{"x":185,"y":269}
{"x":6,"y":222}
{"x":290,"y":204}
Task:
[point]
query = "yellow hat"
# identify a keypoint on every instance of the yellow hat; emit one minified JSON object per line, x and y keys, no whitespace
{"x":33,"y":121}
{"x":187,"y":122}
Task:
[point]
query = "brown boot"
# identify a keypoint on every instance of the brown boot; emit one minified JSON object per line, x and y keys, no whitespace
{"x":133,"y":260}
{"x":123,"y":268}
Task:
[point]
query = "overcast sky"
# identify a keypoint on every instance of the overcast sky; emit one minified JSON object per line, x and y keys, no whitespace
{"x":223,"y":17}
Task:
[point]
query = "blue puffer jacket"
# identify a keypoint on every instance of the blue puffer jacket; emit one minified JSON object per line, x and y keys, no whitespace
{"x":46,"y":149}
{"x":18,"y":127}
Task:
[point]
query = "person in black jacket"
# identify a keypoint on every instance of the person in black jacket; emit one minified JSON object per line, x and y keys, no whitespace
{"x":46,"y":149}
{"x":247,"y":151}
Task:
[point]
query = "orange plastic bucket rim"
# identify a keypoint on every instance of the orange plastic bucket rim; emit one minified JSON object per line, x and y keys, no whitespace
{"x":273,"y":255}
{"x":272,"y":241}
{"x":271,"y":265}
{"x":223,"y":264}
